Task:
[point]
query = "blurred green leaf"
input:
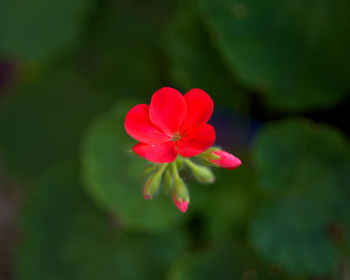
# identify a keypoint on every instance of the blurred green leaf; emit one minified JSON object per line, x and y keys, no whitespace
{"x":64,"y":236}
{"x":292,"y":233}
{"x":50,"y":108}
{"x":296,"y":52}
{"x":194,"y":63}
{"x":122,"y":50}
{"x":227,"y":204}
{"x":297,"y":154}
{"x":45,"y":117}
{"x":113,"y":175}
{"x":226,"y":261}
{"x":207,"y":265}
{"x":36,"y":30}
{"x":305,"y":167}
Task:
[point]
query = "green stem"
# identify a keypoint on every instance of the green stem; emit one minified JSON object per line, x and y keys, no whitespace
{"x":162,"y":168}
{"x":190,"y":163}
{"x":168,"y":181}
{"x":175,"y":171}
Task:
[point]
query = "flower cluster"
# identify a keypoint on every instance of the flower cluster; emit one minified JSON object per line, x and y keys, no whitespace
{"x":172,"y":129}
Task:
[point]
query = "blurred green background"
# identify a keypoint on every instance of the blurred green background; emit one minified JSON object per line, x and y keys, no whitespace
{"x":71,"y":204}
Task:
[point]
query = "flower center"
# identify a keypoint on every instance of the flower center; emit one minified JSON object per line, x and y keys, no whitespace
{"x":176,"y":136}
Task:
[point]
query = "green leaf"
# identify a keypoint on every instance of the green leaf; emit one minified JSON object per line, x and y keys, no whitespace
{"x":194,"y":62}
{"x":50,"y":109}
{"x":292,"y":233}
{"x":227,"y":204}
{"x":37,"y":30}
{"x":295,"y":52}
{"x":113,"y":175}
{"x":297,"y":154}
{"x":225,"y":261}
{"x":122,"y":49}
{"x":305,"y":167}
{"x":65,"y":236}
{"x":45,"y":117}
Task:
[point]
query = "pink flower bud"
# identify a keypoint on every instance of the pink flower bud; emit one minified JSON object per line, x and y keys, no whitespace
{"x":226,"y":160}
{"x":181,"y":204}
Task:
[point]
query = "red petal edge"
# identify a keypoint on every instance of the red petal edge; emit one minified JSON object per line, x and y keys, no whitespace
{"x":199,"y":108}
{"x":138,"y":125}
{"x":167,"y":110}
{"x":160,"y":153}
{"x":196,"y":140}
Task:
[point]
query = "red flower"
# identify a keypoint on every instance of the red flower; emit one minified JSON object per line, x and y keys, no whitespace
{"x":172,"y":124}
{"x":226,"y":160}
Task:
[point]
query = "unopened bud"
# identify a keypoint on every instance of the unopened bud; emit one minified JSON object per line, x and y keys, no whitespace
{"x":180,"y":190}
{"x":153,"y":183}
{"x":181,"y":195}
{"x":201,"y":173}
{"x":226,"y":160}
{"x":181,"y":204}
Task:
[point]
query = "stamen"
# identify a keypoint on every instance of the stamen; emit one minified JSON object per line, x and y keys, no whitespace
{"x":176,"y":136}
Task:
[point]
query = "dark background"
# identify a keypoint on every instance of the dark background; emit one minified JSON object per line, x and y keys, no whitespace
{"x":71,"y":204}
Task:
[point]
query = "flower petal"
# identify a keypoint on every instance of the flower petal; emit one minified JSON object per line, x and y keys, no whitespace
{"x":138,"y":125}
{"x":199,"y":108}
{"x":164,"y":152}
{"x":167,"y":110}
{"x":196,"y":140}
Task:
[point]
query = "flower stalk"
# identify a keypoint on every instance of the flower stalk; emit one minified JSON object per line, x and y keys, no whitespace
{"x":202,"y":174}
